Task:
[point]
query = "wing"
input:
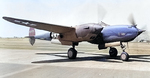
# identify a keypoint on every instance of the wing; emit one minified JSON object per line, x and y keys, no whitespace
{"x":39,"y":25}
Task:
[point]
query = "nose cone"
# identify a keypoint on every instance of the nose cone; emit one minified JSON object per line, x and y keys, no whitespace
{"x":140,"y":31}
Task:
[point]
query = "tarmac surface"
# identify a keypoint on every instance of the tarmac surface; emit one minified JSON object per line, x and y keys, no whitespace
{"x":18,"y":59}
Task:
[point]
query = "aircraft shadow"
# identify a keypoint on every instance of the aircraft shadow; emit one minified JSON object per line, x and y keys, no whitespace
{"x":97,"y":57}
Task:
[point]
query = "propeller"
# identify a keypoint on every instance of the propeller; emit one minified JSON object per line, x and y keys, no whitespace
{"x":133,"y":23}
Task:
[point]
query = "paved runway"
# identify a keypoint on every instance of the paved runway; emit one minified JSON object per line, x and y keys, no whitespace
{"x":18,"y":59}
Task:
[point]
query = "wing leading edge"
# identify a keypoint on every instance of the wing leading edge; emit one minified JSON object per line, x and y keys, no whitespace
{"x":39,"y":25}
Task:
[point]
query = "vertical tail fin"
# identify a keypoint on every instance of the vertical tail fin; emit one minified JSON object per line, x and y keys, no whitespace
{"x":31,"y":31}
{"x":31,"y":36}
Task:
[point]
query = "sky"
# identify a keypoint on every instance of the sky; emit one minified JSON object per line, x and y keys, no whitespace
{"x":72,"y":13}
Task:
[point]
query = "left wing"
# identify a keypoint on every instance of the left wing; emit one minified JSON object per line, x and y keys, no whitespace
{"x":39,"y":25}
{"x":67,"y":34}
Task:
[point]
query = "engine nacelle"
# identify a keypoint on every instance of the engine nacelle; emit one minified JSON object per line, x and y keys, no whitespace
{"x":89,"y":31}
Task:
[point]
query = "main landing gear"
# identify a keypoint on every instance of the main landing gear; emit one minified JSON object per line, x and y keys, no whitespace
{"x":113,"y":52}
{"x":72,"y":53}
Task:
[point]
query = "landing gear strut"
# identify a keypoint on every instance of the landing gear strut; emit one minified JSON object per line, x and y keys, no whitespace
{"x":72,"y":53}
{"x":124,"y":55}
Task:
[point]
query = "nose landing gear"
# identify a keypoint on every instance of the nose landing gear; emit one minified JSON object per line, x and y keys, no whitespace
{"x":124,"y":55}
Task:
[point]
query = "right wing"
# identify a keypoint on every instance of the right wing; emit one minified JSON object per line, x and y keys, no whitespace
{"x":39,"y":25}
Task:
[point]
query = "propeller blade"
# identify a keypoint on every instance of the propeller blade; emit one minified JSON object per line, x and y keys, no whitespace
{"x":101,"y":12}
{"x":131,"y":19}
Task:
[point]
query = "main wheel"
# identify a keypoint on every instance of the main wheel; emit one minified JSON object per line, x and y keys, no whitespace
{"x":113,"y":52}
{"x":124,"y":56}
{"x":72,"y":53}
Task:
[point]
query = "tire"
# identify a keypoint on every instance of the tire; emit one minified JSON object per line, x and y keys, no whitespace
{"x":113,"y":52}
{"x":72,"y":53}
{"x":124,"y":56}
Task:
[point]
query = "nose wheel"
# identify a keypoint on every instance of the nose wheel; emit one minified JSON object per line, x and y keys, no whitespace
{"x":124,"y":55}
